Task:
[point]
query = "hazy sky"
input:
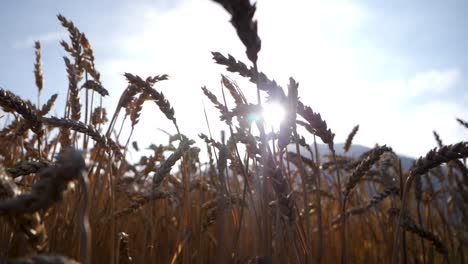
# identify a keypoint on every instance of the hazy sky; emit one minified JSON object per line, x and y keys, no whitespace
{"x":397,"y":68}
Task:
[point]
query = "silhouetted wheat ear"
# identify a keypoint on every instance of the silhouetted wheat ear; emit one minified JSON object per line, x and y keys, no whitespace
{"x":48,"y":190}
{"x":37,"y":67}
{"x":242,"y":13}
{"x":74,"y":93}
{"x":48,"y":106}
{"x":234,"y":90}
{"x":439,"y":156}
{"x":136,"y":109}
{"x":31,"y":226}
{"x":88,"y":62}
{"x":282,"y":189}
{"x":95,"y":86}
{"x":349,"y":139}
{"x":363,"y":166}
{"x":99,"y":116}
{"x":294,"y":158}
{"x":376,"y":199}
{"x":350,"y":212}
{"x":27,"y":167}
{"x":82,"y":53}
{"x":155,"y":194}
{"x":166,"y":166}
{"x":462,"y":122}
{"x":12,"y":103}
{"x":214,"y":100}
{"x":274,"y":91}
{"x":315,"y":124}
{"x":437,"y":138}
{"x":288,"y":125}
{"x":76,"y":126}
{"x":157,"y":97}
{"x":409,"y":224}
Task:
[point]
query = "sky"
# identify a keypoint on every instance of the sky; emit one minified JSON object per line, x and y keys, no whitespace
{"x":397,"y":68}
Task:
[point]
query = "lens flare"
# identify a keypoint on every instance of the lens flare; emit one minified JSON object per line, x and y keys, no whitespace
{"x":273,"y":114}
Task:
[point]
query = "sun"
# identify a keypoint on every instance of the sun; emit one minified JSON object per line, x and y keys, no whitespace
{"x":273,"y":114}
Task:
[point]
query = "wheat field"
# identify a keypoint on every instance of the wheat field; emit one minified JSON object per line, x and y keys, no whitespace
{"x":69,"y":193}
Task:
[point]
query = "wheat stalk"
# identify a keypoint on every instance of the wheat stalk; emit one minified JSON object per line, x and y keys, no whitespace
{"x":48,"y":190}
{"x":349,"y":139}
{"x":12,"y":103}
{"x":462,"y":122}
{"x":363,"y":166}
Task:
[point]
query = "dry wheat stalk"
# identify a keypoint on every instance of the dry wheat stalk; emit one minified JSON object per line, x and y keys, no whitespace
{"x":242,"y":111}
{"x":339,"y":164}
{"x":37,"y":67}
{"x":363,"y":166}
{"x":282,"y":189}
{"x":155,"y":194}
{"x":242,"y":13}
{"x":274,"y":91}
{"x":76,"y":126}
{"x":289,"y":124}
{"x":294,"y":158}
{"x":27,"y":167}
{"x":31,"y":226}
{"x":222,"y":109}
{"x":99,"y":116}
{"x":433,"y":159}
{"x":315,"y":124}
{"x":209,"y":141}
{"x":157,"y":97}
{"x":437,"y":138}
{"x":137,"y":107}
{"x":167,"y":165}
{"x":48,"y":106}
{"x":436,"y":157}
{"x":48,"y":190}
{"x":12,"y":103}
{"x":408,"y":224}
{"x":65,"y":138}
{"x":234,"y":90}
{"x":95,"y":86}
{"x":462,"y":122}
{"x":74,"y":93}
{"x":352,"y":211}
{"x":76,"y":49}
{"x":88,"y":63}
{"x":89,"y":130}
{"x":349,"y":139}
{"x":376,"y":199}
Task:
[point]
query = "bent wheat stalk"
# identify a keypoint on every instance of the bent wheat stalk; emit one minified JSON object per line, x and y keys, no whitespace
{"x":433,"y":159}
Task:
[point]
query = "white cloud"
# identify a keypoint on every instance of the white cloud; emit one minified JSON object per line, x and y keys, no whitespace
{"x":44,"y":38}
{"x":390,"y":112}
{"x":314,"y":41}
{"x":433,"y":82}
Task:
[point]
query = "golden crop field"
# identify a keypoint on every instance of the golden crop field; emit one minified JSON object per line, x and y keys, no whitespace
{"x":69,"y":193}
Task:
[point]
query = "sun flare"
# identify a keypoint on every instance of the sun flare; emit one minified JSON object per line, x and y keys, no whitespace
{"x":273,"y":114}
